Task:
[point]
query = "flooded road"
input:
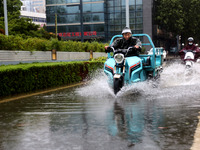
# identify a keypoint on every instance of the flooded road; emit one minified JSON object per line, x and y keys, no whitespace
{"x":90,"y":117}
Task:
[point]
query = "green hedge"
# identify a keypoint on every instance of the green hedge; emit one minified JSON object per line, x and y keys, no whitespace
{"x":22,"y":78}
{"x":36,"y":44}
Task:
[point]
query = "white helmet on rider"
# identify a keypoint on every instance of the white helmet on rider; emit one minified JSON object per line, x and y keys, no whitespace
{"x":126,"y":30}
{"x":190,"y":40}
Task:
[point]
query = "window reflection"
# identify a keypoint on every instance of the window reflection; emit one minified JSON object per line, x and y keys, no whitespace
{"x":138,"y":2}
{"x":98,"y":7}
{"x":73,"y":18}
{"x":132,"y":20}
{"x":73,"y":1}
{"x":56,"y":2}
{"x":139,"y":7}
{"x":61,"y":18}
{"x":50,"y":10}
{"x":87,"y":18}
{"x":110,"y":4}
{"x":98,"y":17}
{"x":95,"y":17}
{"x":138,"y":26}
{"x":117,"y":2}
{"x":93,"y":7}
{"x":62,"y":9}
{"x":111,"y":10}
{"x":138,"y":14}
{"x":86,"y":8}
{"x":92,"y":27}
{"x":132,"y":2}
{"x":73,"y":9}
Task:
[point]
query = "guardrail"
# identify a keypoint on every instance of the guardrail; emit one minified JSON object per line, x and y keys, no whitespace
{"x":14,"y":57}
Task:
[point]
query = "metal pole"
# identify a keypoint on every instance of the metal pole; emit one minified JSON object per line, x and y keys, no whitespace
{"x":127,"y":13}
{"x":81,"y":19}
{"x":177,"y":40}
{"x":5,"y":17}
{"x":56,"y":25}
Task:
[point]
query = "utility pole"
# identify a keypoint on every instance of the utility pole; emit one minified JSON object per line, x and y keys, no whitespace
{"x":5,"y":16}
{"x":81,"y":19}
{"x":127,"y":13}
{"x":56,"y":25}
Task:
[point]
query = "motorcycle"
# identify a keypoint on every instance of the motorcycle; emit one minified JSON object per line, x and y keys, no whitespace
{"x":188,"y":57}
{"x":124,"y":69}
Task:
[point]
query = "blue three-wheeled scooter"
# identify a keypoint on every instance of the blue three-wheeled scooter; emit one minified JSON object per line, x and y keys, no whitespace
{"x":122,"y":69}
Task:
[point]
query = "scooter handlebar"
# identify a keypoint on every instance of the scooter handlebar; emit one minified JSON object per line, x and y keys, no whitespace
{"x":109,"y":49}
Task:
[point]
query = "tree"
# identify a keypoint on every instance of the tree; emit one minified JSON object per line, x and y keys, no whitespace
{"x":19,"y":26}
{"x":13,"y":7}
{"x":180,"y":17}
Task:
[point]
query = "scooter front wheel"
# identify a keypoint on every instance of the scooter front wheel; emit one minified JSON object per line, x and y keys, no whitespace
{"x":118,"y":83}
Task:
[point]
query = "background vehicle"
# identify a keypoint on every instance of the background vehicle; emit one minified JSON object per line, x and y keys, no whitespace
{"x":162,"y":51}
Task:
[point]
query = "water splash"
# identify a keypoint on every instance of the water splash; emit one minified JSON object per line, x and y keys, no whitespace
{"x":177,"y":75}
{"x":98,"y":87}
{"x":174,"y":83}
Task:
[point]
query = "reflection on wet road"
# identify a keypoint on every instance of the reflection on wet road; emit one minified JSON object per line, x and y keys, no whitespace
{"x":90,"y":117}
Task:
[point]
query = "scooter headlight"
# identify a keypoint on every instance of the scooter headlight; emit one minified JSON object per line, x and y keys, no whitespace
{"x":119,"y":58}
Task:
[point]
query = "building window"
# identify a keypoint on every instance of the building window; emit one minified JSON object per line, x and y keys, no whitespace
{"x":93,"y":7}
{"x":98,"y":17}
{"x":87,"y":17}
{"x":73,"y":18}
{"x":62,"y":19}
{"x":138,"y":2}
{"x":73,"y":9}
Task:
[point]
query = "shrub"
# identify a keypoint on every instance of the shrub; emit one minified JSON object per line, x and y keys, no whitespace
{"x":39,"y":44}
{"x":24,"y":78}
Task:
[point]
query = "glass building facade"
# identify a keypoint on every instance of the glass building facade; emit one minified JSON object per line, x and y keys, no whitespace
{"x":98,"y":19}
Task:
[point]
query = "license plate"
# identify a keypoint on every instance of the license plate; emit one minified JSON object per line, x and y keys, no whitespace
{"x":117,"y":76}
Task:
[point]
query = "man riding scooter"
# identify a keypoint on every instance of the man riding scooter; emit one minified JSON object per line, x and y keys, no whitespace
{"x":126,"y":42}
{"x":190,"y":47}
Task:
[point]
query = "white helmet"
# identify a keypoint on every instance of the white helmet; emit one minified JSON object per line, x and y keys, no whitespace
{"x":126,"y":30}
{"x":190,"y":39}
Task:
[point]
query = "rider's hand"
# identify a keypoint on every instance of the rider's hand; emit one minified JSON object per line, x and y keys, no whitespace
{"x":108,"y":49}
{"x":136,"y":46}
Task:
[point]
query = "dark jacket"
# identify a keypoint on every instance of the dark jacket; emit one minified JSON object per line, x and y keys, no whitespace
{"x":121,"y":43}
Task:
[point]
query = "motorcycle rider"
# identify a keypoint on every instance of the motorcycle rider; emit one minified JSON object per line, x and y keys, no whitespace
{"x":190,"y":46}
{"x":126,"y":42}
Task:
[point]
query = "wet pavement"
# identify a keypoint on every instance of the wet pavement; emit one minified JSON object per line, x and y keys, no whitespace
{"x":90,"y":117}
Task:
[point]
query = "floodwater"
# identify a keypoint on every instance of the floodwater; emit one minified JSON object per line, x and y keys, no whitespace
{"x":144,"y":116}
